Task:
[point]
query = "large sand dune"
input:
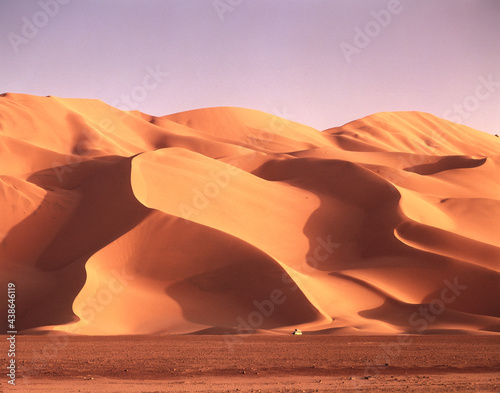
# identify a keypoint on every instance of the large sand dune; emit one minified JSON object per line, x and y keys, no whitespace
{"x":229,"y":220}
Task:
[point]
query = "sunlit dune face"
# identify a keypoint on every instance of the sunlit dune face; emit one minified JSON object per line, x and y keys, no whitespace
{"x":236,"y":220}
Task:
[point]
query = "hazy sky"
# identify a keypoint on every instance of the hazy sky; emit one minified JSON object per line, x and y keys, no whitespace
{"x":319,"y":62}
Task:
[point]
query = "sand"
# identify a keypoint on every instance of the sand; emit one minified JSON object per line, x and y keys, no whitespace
{"x":265,"y":363}
{"x":178,"y":253}
{"x":230,"y":220}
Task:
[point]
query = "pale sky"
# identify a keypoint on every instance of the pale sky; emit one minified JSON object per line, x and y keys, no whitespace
{"x":318,"y":62}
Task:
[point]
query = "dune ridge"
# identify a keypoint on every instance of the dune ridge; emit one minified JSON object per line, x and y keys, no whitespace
{"x":232,"y":220}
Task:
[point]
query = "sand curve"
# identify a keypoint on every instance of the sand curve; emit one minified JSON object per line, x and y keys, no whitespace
{"x":240,"y":221}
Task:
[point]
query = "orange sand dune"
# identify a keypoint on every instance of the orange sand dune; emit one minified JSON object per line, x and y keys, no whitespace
{"x":237,"y":221}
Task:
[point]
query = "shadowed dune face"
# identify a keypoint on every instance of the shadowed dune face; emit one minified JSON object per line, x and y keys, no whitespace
{"x":445,"y":164}
{"x":234,"y":220}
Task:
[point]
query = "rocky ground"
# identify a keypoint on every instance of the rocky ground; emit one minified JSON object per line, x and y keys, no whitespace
{"x":265,"y":363}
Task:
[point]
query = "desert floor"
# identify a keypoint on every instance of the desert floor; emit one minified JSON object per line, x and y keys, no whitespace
{"x":259,"y":363}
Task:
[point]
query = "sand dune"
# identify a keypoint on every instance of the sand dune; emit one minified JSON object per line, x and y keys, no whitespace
{"x":233,"y":220}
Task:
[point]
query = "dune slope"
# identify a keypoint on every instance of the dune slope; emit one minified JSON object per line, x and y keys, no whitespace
{"x":230,"y":220}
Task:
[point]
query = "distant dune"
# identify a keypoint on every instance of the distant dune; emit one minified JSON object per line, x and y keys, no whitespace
{"x":230,"y":220}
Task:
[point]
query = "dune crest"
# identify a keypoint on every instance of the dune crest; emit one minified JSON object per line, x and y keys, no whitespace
{"x":234,"y":220}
